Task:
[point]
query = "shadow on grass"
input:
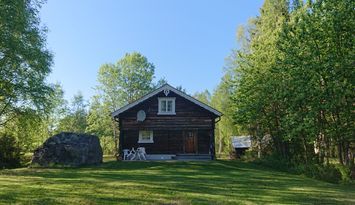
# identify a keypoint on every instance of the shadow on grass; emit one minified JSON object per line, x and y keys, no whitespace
{"x":194,"y":182}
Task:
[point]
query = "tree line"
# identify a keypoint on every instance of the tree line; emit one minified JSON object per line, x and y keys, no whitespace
{"x":289,"y":84}
{"x":293,"y":79}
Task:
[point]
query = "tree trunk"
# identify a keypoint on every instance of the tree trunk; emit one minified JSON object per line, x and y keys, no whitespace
{"x":340,"y":153}
{"x":346,"y":153}
{"x":220,"y":144}
{"x":259,"y":149}
{"x":327,"y":151}
{"x":305,"y":150}
{"x":321,"y":146}
{"x":351,"y":158}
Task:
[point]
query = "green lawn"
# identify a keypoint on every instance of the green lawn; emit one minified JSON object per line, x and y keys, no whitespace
{"x":202,"y":182}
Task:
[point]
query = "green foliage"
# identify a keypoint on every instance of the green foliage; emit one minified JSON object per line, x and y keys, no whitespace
{"x":119,"y":84}
{"x":24,"y":60}
{"x":98,"y":119}
{"x":100,"y":124}
{"x":10,"y":151}
{"x":333,"y":173}
{"x":293,"y":79}
{"x":345,"y":172}
{"x":317,"y":53}
{"x":130,"y":78}
{"x":225,"y":128}
{"x":135,"y":76}
{"x":25,"y":128}
{"x":220,"y":100}
{"x":108,"y":145}
{"x":75,"y":119}
{"x":31,"y":128}
{"x":204,"y":97}
{"x":28,"y":104}
{"x":161,"y":82}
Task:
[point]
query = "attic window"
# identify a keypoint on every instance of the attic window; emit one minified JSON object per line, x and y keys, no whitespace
{"x":166,"y":106}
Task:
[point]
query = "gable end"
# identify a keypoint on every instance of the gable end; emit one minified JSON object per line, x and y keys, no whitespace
{"x":166,"y":88}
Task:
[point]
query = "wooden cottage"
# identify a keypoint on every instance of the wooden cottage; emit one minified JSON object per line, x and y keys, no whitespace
{"x":169,"y":124}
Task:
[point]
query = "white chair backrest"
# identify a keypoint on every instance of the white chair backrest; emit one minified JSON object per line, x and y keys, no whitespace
{"x":141,"y":150}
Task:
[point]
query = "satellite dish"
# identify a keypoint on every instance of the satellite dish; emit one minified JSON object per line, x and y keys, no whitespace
{"x":141,"y":116}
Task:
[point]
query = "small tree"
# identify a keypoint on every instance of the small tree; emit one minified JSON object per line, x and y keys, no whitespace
{"x":119,"y":84}
{"x":75,"y":119}
{"x":10,"y":151}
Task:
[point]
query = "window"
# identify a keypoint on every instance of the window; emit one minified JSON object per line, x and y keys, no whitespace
{"x":145,"y":136}
{"x":166,"y":106}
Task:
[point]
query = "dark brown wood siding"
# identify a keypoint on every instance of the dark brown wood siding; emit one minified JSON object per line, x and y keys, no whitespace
{"x":188,"y":116}
{"x":168,"y":130}
{"x":166,"y":141}
{"x":204,"y":141}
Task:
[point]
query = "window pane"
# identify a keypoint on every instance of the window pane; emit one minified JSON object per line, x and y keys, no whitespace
{"x":145,"y":137}
{"x":145,"y":134}
{"x":163,"y":105}
{"x":170,"y":106}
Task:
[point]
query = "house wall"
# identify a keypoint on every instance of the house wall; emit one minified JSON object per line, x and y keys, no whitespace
{"x":167,"y":141}
{"x":188,"y":116}
{"x":168,"y":130}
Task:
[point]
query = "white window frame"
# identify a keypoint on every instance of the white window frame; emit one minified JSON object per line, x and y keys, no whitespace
{"x":161,"y":112}
{"x":141,"y":140}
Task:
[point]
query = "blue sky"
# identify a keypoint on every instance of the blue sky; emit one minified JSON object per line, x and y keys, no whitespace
{"x":186,"y":40}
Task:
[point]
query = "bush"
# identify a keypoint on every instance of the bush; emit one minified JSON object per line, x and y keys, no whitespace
{"x":10,"y":152}
{"x":330,"y":173}
{"x":249,"y":155}
{"x":345,"y":173}
{"x":275,"y":162}
{"x":232,"y":154}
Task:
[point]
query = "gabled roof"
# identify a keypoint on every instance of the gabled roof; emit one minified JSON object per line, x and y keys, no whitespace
{"x":163,"y":88}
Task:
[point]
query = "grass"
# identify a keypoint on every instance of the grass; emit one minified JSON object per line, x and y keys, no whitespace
{"x":199,"y":182}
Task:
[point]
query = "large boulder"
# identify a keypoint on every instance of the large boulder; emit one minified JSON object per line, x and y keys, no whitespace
{"x":69,"y":149}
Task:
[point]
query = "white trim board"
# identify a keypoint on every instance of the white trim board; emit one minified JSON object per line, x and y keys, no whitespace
{"x":162,"y":88}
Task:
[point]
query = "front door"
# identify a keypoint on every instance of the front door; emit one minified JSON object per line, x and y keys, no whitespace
{"x":190,"y":142}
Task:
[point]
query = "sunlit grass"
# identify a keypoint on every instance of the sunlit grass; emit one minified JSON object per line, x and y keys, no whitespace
{"x":202,"y":182}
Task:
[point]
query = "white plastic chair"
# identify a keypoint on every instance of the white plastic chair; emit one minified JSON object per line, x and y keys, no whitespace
{"x":125,"y":154}
{"x":132,"y":154}
{"x":141,"y":153}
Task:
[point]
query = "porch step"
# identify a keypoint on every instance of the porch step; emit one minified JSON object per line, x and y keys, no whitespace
{"x":160,"y":156}
{"x":192,"y":157}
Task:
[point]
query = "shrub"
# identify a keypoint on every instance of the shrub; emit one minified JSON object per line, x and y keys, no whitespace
{"x":274,"y":162}
{"x":232,"y":154}
{"x":10,"y":152}
{"x":250,"y":155}
{"x":330,"y":173}
{"x":345,"y":173}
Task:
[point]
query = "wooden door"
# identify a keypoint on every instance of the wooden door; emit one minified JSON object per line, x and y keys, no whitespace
{"x":190,"y":142}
